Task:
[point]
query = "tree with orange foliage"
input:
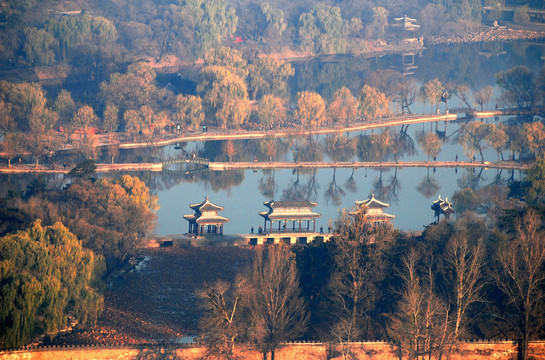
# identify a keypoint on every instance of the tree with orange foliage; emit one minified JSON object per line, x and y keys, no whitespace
{"x":310,"y":109}
{"x":343,"y":106}
{"x":373,"y":103}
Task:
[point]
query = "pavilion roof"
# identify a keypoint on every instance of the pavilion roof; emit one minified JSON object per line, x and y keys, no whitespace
{"x":206,"y":205}
{"x":284,"y":204}
{"x":293,"y":216}
{"x":372,"y":203}
{"x":203,"y":220}
{"x":373,"y":215}
{"x":379,"y":216}
{"x":442,"y":205}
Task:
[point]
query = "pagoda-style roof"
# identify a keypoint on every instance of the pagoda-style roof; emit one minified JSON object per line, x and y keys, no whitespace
{"x":289,"y":210}
{"x":204,"y":220}
{"x":406,"y":23}
{"x":372,"y":203}
{"x":206,"y":205}
{"x":292,"y":204}
{"x":373,"y":210}
{"x":206,"y":213}
{"x":442,"y":206}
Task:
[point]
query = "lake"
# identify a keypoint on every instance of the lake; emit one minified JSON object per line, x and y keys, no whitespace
{"x":410,"y":191}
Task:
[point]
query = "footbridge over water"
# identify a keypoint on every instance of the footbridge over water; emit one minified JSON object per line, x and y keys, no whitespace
{"x":195,"y":164}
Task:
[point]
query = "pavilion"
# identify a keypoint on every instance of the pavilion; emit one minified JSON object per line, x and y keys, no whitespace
{"x":373,"y":211}
{"x":441,"y":206}
{"x":206,"y":219}
{"x":290,"y":211}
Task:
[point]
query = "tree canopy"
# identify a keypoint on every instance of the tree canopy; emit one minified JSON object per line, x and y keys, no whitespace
{"x":46,"y":277}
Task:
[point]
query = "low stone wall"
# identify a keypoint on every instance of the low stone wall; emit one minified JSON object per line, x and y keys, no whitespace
{"x":500,"y":350}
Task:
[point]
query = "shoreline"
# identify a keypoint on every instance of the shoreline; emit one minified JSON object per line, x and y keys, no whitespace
{"x":246,"y":165}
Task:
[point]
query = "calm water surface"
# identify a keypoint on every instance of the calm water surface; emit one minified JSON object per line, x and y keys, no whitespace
{"x":410,"y":191}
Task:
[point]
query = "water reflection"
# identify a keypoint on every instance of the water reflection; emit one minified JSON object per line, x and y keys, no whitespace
{"x":410,"y":200}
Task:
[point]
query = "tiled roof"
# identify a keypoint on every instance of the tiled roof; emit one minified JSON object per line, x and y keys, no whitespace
{"x":206,"y":205}
{"x":372,"y":203}
{"x":289,"y":216}
{"x":202,"y":220}
{"x":289,"y":204}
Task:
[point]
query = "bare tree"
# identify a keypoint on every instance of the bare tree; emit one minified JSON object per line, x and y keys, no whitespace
{"x":466,"y":264}
{"x":483,"y":96}
{"x":420,"y":325}
{"x":278,"y":311}
{"x":221,"y":323}
{"x":359,"y":267}
{"x":520,"y":275}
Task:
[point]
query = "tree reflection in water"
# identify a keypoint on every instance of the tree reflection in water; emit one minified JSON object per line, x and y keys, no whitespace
{"x":428,"y":186}
{"x":471,"y":178}
{"x":334,"y":192}
{"x":267,"y":184}
{"x":298,"y":190}
{"x":350,"y":183}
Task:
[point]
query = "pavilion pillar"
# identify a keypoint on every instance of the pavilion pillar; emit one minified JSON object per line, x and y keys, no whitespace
{"x":299,"y":225}
{"x":264,"y":225}
{"x":293,"y":225}
{"x":313,"y":225}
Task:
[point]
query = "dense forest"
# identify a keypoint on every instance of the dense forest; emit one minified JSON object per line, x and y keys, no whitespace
{"x":72,"y":69}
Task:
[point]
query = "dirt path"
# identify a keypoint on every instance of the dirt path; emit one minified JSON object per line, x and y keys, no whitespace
{"x":511,"y":165}
{"x":219,"y":134}
{"x":224,"y":166}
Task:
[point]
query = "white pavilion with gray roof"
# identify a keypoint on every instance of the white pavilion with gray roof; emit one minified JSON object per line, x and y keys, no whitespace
{"x":285,"y":212}
{"x":206,"y":219}
{"x":373,"y":211}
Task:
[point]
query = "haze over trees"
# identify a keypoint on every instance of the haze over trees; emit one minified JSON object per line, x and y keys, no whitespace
{"x":104,"y":70}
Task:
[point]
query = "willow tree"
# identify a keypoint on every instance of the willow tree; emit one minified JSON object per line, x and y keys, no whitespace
{"x":432,"y":90}
{"x":372,"y":103}
{"x":7,"y":124}
{"x":343,"y":106}
{"x":229,"y":58}
{"x":430,"y":143}
{"x":323,"y":30}
{"x":276,"y":23}
{"x":268,"y":75}
{"x":271,"y":111}
{"x":40,"y":46}
{"x":47,"y":278}
{"x":225,"y":96}
{"x":189,"y":111}
{"x":84,"y":117}
{"x":111,"y":118}
{"x":534,"y":137}
{"x":310,"y":109}
{"x":212,"y":22}
{"x":132,"y":89}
